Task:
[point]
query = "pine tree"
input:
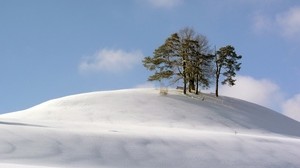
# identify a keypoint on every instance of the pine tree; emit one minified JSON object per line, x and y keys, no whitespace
{"x":160,"y":64}
{"x":183,"y":56}
{"x":226,"y":64}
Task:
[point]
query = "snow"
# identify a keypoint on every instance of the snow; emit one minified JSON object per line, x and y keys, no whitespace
{"x":140,"y":128}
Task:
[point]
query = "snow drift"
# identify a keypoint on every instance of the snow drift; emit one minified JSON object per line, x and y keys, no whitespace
{"x":140,"y":128}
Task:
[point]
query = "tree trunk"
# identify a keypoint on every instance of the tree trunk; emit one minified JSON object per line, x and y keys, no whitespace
{"x":197,"y":84}
{"x":184,"y":77}
{"x":217,"y":85}
{"x":218,"y":71}
{"x":191,"y":85}
{"x":184,"y":86}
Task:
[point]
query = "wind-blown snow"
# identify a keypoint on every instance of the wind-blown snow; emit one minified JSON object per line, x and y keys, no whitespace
{"x":140,"y":128}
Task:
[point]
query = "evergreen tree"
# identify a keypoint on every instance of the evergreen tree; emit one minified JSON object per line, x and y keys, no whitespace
{"x":226,"y":64}
{"x":183,"y":56}
{"x":160,"y":64}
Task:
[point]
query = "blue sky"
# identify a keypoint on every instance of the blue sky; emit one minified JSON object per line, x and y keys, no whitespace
{"x":55,"y":48}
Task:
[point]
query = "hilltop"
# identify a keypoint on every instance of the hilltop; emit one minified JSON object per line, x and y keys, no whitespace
{"x":141,"y":128}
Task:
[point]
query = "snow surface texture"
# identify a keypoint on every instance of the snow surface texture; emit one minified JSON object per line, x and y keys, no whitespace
{"x":139,"y":128}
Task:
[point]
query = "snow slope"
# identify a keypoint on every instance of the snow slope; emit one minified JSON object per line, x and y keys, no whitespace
{"x":140,"y":128}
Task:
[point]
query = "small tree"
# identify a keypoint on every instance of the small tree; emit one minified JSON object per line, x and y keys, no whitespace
{"x":226,"y":64}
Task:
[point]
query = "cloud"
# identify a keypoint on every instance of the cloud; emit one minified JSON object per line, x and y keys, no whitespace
{"x":291,"y":107}
{"x":289,"y":22}
{"x":109,"y":60}
{"x":261,"y":23}
{"x":165,"y":3}
{"x":285,"y":24}
{"x":260,"y":91}
{"x":263,"y":92}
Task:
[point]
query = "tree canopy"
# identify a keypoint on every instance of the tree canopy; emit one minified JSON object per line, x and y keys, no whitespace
{"x":186,"y":56}
{"x":226,"y":64}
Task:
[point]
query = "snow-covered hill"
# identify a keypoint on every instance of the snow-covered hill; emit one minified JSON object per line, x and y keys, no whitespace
{"x":140,"y":128}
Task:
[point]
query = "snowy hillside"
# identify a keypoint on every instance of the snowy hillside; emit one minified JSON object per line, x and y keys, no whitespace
{"x":140,"y":128}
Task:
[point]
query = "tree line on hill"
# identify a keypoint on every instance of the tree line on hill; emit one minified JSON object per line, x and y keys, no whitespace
{"x":187,"y":56}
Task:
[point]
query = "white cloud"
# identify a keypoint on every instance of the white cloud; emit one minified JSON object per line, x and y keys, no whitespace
{"x":263,"y":92}
{"x":260,"y":91}
{"x":110,"y":61}
{"x":289,"y":22}
{"x":285,"y":24}
{"x":291,"y":107}
{"x":165,"y":3}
